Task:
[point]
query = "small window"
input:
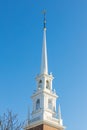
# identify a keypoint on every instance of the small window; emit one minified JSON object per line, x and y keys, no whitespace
{"x":37,"y":104}
{"x":40,"y":81}
{"x":50,"y":104}
{"x":47,"y":84}
{"x":40,"y":84}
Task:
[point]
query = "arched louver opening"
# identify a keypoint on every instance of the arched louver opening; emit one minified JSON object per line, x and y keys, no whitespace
{"x":50,"y":104}
{"x":38,"y":104}
{"x":47,"y":84}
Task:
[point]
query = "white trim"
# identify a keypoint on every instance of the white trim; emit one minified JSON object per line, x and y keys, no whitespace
{"x":45,"y":123}
{"x":49,"y":92}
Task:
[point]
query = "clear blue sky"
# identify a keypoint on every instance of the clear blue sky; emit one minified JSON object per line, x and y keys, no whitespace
{"x":21,"y":32}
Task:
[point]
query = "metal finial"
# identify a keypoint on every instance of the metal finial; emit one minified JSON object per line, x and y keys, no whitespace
{"x":44,"y":12}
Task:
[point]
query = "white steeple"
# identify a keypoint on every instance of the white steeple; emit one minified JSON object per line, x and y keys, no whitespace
{"x":44,"y":64}
{"x":44,"y":97}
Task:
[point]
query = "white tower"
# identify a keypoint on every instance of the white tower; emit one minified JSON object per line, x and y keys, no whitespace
{"x":44,"y":98}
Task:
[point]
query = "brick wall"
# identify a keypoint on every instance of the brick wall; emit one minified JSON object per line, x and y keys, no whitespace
{"x":40,"y":127}
{"x":47,"y":127}
{"x":43,"y":127}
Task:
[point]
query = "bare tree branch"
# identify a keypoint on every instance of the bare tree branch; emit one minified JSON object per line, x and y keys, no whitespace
{"x":9,"y":121}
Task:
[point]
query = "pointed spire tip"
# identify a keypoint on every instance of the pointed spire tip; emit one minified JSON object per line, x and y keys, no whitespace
{"x":44,"y":64}
{"x":44,"y":12}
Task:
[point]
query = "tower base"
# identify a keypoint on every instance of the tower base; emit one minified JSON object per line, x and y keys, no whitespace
{"x":45,"y":127}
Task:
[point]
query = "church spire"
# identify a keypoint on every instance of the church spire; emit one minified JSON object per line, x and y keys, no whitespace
{"x":28,"y":115}
{"x":44,"y":64}
{"x":59,"y":112}
{"x":44,"y":12}
{"x":59,"y":116}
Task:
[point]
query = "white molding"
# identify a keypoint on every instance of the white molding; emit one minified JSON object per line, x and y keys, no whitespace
{"x":45,"y":122}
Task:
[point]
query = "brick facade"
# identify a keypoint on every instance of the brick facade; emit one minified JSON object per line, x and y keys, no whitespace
{"x":43,"y":127}
{"x":47,"y":127}
{"x":40,"y":127}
